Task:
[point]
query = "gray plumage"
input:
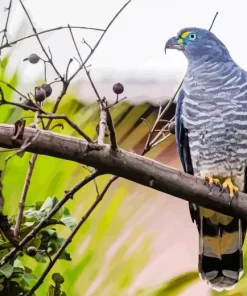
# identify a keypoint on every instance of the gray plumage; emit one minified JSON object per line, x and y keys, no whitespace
{"x":211,"y":132}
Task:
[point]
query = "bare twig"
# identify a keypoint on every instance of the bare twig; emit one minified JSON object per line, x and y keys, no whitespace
{"x":24,"y":194}
{"x":4,"y":37}
{"x":9,"y":44}
{"x":33,"y":107}
{"x":117,"y":101}
{"x":70,"y":238}
{"x":40,"y":43}
{"x":105,"y":116}
{"x":43,"y":223}
{"x":14,"y":89}
{"x":101,"y":37}
{"x":102,"y":126}
{"x":71,"y":123}
{"x":211,"y":26}
{"x":110,"y":125}
{"x":67,"y":70}
{"x":88,"y":45}
{"x":147,"y":124}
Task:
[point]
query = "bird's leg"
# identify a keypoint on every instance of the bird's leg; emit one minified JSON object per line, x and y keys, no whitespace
{"x":232,"y":188}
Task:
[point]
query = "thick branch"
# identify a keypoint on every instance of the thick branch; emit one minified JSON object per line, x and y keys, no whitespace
{"x":130,"y":166}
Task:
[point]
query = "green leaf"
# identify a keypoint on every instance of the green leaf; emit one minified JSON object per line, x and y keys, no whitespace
{"x":69,"y":221}
{"x":174,"y":286}
{"x":57,"y":278}
{"x":7,"y":270}
{"x":19,"y":268}
{"x":40,"y":258}
{"x":48,"y":205}
{"x":36,"y":242}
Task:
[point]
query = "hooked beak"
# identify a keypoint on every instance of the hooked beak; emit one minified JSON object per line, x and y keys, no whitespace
{"x":174,"y":43}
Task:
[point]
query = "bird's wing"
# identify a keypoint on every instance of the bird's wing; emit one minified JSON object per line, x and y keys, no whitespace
{"x":182,"y":141}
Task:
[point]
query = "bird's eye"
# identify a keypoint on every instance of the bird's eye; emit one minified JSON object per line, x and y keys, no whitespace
{"x":192,"y":36}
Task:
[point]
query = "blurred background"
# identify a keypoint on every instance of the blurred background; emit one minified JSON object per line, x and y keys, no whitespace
{"x":138,"y":241}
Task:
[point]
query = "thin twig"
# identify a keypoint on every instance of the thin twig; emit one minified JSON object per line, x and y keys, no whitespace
{"x":15,"y":90}
{"x":102,"y":126}
{"x":211,"y":26}
{"x":69,"y":194}
{"x":9,"y":44}
{"x":105,"y":116}
{"x":40,"y":43}
{"x":71,"y":123}
{"x":88,"y":45}
{"x":6,"y":25}
{"x":95,"y":182}
{"x":117,"y":101}
{"x":147,"y":124}
{"x":101,"y":37}
{"x":24,"y":195}
{"x":34,"y":106}
{"x":70,"y":238}
{"x":111,"y":129}
{"x":67,"y":70}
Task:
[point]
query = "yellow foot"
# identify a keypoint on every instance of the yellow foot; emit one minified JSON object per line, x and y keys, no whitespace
{"x":212,"y":181}
{"x":232,"y":188}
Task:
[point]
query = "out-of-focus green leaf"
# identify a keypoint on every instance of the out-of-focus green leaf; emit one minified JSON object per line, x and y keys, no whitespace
{"x":67,"y":219}
{"x":57,"y":278}
{"x":173,"y":287}
{"x":6,"y":270}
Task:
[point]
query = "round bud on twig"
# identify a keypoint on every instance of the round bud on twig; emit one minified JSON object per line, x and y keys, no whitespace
{"x":47,"y":88}
{"x":31,"y":251}
{"x":33,"y":58}
{"x":171,"y":127}
{"x":40,"y":94}
{"x":118,"y":88}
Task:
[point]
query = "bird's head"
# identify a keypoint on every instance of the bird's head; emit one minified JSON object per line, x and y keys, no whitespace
{"x":196,"y":43}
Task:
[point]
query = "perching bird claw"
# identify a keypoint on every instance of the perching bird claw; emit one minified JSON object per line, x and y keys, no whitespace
{"x":211,"y":181}
{"x":233,"y":190}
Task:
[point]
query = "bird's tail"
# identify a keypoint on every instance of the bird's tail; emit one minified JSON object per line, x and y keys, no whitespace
{"x":220,"y":244}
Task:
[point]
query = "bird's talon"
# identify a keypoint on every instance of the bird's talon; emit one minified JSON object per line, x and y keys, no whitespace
{"x":209,"y":181}
{"x":233,"y":190}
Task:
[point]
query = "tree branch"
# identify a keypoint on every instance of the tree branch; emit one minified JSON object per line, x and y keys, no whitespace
{"x":130,"y":166}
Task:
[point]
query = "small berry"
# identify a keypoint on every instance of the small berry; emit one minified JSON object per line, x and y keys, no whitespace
{"x":31,"y":251}
{"x":118,"y":88}
{"x":40,"y":94}
{"x":47,"y":88}
{"x":33,"y":58}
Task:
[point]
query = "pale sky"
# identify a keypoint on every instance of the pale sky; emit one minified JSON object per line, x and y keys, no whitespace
{"x":132,"y":51}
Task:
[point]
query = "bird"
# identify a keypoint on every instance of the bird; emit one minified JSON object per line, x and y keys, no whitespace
{"x":211,"y":140}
